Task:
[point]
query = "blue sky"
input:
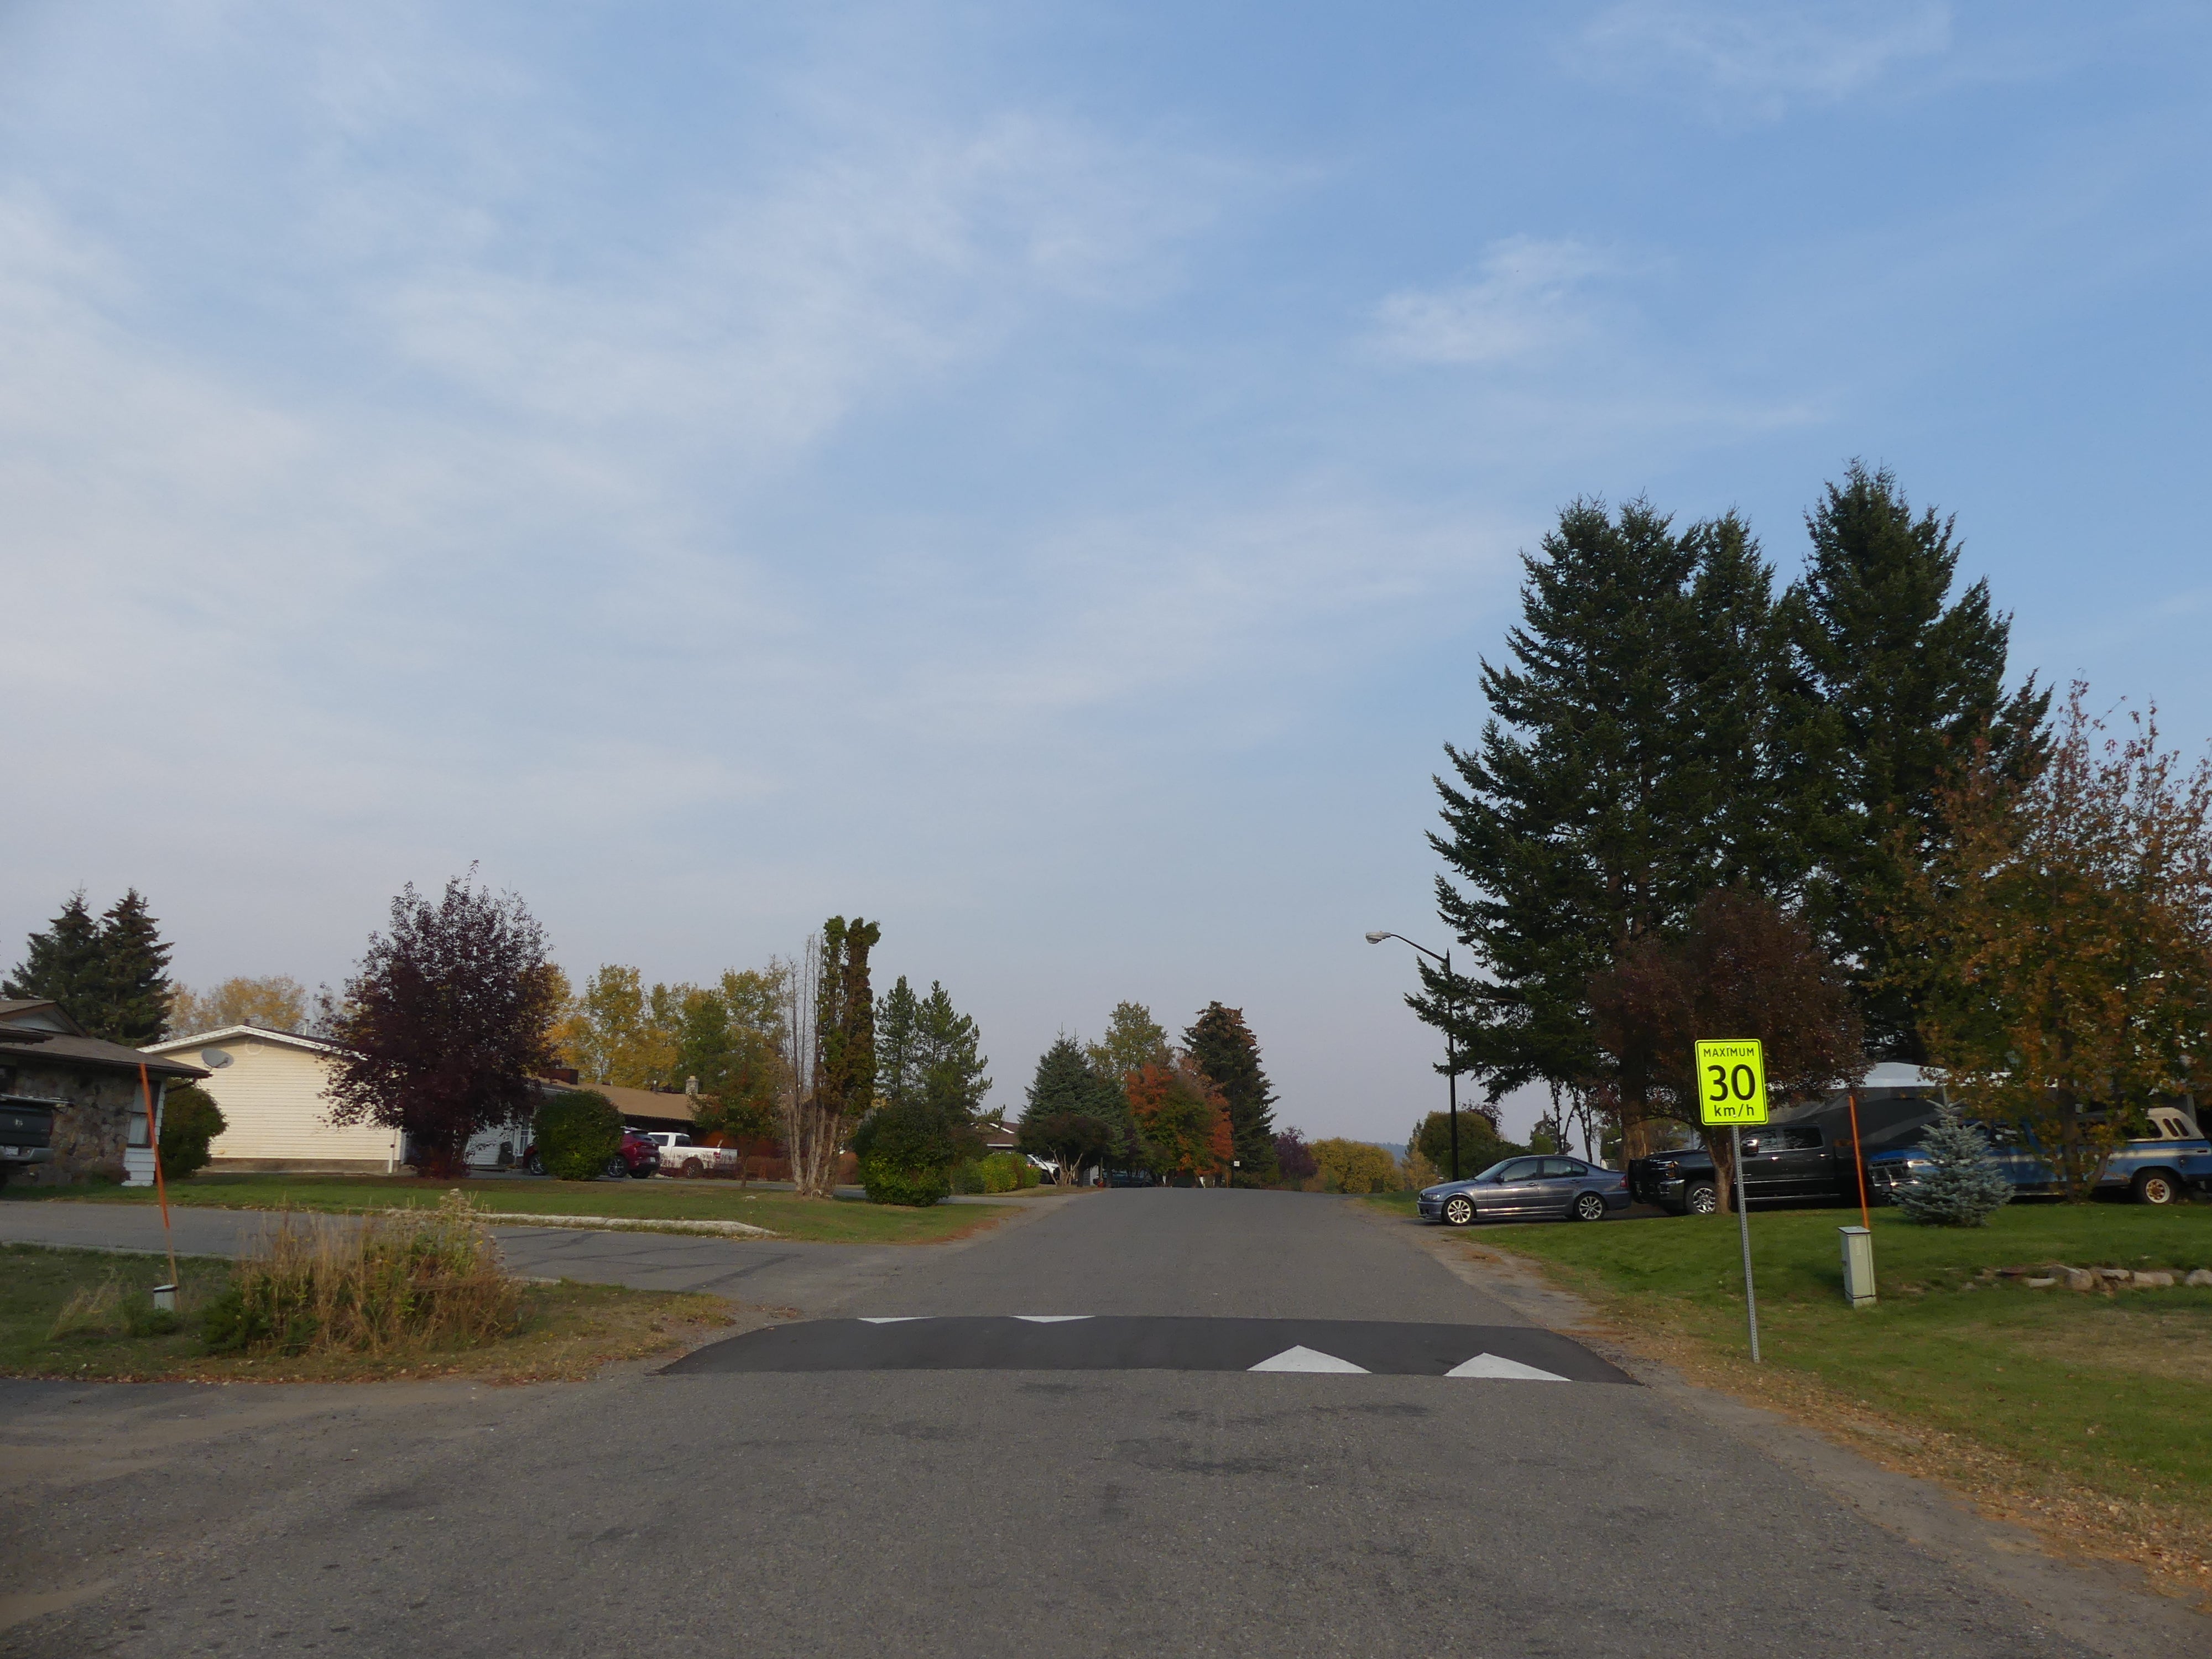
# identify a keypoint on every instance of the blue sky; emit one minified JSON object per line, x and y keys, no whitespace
{"x":1044,"y":476}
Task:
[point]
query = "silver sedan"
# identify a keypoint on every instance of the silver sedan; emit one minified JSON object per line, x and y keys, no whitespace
{"x":1528,"y":1189}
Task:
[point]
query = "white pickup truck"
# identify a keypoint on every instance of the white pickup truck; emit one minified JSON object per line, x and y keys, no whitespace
{"x":680,"y":1155}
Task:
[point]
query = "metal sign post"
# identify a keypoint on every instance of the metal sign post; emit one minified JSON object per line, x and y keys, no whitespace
{"x":1732,"y":1090}
{"x":1743,"y":1227}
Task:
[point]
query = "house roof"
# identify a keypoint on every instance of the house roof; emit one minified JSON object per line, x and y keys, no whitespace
{"x":54,"y":1037}
{"x":636,"y":1103}
{"x":242,"y":1034}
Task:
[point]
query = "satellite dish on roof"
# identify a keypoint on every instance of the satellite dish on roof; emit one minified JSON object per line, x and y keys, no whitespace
{"x":214,"y":1058}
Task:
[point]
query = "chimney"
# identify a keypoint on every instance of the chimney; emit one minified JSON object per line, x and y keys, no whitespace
{"x":563,"y":1074}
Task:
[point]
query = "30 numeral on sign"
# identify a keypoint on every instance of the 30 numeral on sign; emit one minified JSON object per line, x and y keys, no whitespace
{"x":1731,"y":1082}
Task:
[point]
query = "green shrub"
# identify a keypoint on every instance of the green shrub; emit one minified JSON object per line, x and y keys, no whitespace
{"x":577,"y":1132}
{"x":915,"y":1136}
{"x":190,"y":1120}
{"x":886,"y":1184}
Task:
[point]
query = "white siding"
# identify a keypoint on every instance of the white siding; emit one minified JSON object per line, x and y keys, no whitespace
{"x":273,"y":1107}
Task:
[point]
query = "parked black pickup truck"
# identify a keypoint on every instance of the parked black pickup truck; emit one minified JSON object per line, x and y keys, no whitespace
{"x":1804,"y":1154}
{"x":27,"y":1133}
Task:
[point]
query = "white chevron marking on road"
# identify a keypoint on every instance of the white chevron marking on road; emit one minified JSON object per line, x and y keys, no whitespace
{"x":1489,"y":1364}
{"x":1050,"y":1319}
{"x":1306,"y":1359}
{"x":902,"y":1319}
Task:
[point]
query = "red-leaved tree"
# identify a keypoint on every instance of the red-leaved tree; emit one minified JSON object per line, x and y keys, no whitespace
{"x":446,"y":1020}
{"x":1745,"y":968}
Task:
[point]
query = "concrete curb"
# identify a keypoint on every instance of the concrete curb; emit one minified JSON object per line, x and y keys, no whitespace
{"x":616,"y":1223}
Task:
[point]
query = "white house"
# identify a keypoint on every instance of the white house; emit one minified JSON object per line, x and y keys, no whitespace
{"x":271,"y":1086}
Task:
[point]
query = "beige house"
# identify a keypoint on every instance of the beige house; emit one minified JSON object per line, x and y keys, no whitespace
{"x":271,"y":1086}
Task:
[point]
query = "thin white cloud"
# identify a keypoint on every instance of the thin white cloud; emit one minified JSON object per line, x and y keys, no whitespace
{"x":1759,"y":59}
{"x":1533,"y":295}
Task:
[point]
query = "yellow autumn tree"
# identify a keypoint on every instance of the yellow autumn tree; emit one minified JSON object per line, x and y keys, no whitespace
{"x":2063,"y":940}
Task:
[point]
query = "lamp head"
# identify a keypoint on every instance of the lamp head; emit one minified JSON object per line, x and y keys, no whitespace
{"x":1376,"y":937}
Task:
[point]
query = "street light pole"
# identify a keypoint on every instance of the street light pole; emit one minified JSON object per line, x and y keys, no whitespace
{"x":1451,"y":1047}
{"x":1451,"y":1062}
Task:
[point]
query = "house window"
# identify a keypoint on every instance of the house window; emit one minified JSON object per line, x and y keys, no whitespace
{"x":137,"y":1136}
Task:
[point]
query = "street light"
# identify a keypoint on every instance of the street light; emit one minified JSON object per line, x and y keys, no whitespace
{"x":1451,"y":1054}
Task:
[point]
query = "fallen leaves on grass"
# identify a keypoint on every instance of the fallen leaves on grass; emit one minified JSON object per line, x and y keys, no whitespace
{"x":2171,"y":1544}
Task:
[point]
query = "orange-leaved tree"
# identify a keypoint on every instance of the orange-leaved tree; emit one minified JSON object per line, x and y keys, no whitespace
{"x":2063,"y":943}
{"x":1181,"y":1117}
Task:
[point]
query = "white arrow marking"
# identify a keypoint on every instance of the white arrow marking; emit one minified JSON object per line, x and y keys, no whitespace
{"x":1305,"y":1360}
{"x":902,"y":1319}
{"x":1051,"y":1319}
{"x":1489,"y":1364}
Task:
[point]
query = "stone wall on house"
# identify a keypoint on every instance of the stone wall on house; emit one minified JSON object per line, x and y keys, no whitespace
{"x":92,"y":1130}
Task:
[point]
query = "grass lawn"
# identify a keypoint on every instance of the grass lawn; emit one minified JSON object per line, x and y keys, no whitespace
{"x":2071,"y":1394}
{"x":569,"y":1330}
{"x":840,"y":1221}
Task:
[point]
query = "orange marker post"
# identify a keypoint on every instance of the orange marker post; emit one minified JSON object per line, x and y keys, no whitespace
{"x":1858,"y":1161}
{"x":161,"y":1189}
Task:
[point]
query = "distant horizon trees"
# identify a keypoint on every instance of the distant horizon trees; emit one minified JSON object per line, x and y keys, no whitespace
{"x":276,"y":1002}
{"x":1132,"y":1100}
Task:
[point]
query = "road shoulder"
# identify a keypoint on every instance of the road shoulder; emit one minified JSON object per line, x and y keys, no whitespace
{"x":2109,"y":1606}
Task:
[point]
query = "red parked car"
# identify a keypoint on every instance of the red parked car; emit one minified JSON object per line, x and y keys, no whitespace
{"x":638,"y":1158}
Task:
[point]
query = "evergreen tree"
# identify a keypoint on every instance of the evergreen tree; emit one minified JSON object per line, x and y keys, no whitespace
{"x":1630,"y":751}
{"x":1067,"y":1086}
{"x":1899,"y":686}
{"x":132,"y":1005}
{"x":1965,"y":1187}
{"x":948,"y":1051}
{"x":898,"y":1054}
{"x":64,"y":962}
{"x":1228,"y":1054}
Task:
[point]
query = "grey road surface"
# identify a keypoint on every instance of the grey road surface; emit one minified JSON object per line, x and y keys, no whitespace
{"x":921,"y":1511}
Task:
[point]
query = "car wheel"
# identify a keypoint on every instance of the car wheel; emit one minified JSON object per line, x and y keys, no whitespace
{"x":1589,"y":1206}
{"x":1459,"y":1210}
{"x":1703,"y":1201}
{"x":2156,"y":1186}
{"x":693,"y":1168}
{"x":534,"y":1164}
{"x":616,"y":1167}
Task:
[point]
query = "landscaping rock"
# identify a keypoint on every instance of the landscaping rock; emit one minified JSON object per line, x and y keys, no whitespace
{"x":2117,"y":1275}
{"x":2041,"y":1284}
{"x":2079,"y":1279}
{"x":2201,"y":1276}
{"x":2156,"y":1281}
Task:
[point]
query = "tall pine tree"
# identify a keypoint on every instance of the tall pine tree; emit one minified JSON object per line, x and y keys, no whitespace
{"x":1631,"y":763}
{"x":1900,"y":681}
{"x":1068,"y":1086}
{"x":64,"y":962}
{"x":1228,"y":1055}
{"x":111,"y":976}
{"x":134,"y":974}
{"x":898,"y":1050}
{"x":948,"y":1049}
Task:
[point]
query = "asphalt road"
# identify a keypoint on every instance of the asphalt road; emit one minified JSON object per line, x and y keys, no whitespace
{"x":726,"y":1507}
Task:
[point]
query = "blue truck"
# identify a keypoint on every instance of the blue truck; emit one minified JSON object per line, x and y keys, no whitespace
{"x":2161,"y":1167}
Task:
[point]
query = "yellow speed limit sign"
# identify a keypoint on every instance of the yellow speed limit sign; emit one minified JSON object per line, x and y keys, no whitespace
{"x":1731,"y":1082}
